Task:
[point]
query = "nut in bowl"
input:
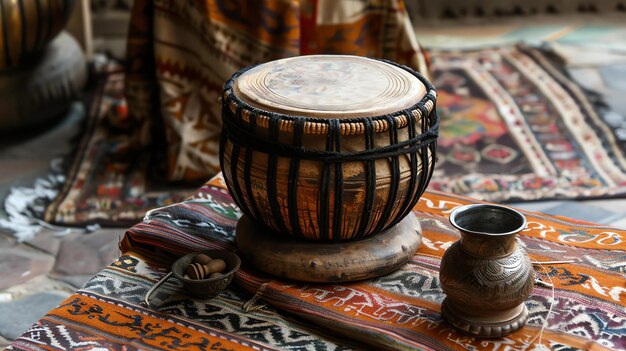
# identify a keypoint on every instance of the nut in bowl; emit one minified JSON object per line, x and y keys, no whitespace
{"x":211,"y":272}
{"x":216,"y":269}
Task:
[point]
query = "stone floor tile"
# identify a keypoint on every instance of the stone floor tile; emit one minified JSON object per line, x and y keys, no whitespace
{"x":7,"y":240}
{"x":535,"y":206}
{"x":619,"y":223}
{"x":86,"y":254}
{"x":19,"y":315}
{"x":615,"y":205}
{"x":4,"y":343}
{"x":18,"y":266}
{"x":589,"y":78}
{"x":614,"y":218}
{"x":5,"y":296}
{"x":616,"y":101}
{"x":76,"y":281}
{"x":577,"y":58}
{"x":46,"y":241}
{"x":38,"y":284}
{"x":614,"y":76}
{"x":46,"y":142}
{"x":26,"y":156}
{"x":580,"y":211}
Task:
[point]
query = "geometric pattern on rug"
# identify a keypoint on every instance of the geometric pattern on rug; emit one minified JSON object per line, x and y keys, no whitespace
{"x":112,"y":181}
{"x":126,"y":281}
{"x":515,"y":128}
{"x":400,"y":310}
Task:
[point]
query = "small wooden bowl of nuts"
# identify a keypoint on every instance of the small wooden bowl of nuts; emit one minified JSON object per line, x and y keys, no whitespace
{"x":201,"y":274}
{"x":206,"y":273}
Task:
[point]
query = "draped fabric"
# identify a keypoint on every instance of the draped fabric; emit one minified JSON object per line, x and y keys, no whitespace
{"x":180,"y":53}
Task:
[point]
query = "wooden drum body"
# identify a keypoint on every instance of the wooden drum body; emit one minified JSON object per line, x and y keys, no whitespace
{"x":328,"y":148}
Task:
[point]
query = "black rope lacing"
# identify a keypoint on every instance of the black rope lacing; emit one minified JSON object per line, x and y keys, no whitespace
{"x":246,"y":135}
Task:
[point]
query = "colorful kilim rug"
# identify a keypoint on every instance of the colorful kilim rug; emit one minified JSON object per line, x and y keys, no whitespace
{"x":106,"y":314}
{"x":400,"y":311}
{"x":513,"y":128}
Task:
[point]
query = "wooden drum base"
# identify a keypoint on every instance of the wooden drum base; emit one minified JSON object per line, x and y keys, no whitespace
{"x":287,"y":257}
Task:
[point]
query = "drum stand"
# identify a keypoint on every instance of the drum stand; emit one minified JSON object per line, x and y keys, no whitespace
{"x":288,"y":257}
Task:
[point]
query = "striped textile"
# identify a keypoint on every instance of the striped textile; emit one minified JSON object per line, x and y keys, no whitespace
{"x":400,"y":311}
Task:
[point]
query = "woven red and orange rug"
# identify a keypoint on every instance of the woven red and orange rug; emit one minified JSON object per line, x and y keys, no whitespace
{"x":399,"y":311}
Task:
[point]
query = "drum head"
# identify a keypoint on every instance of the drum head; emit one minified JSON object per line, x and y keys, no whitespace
{"x":329,"y":86}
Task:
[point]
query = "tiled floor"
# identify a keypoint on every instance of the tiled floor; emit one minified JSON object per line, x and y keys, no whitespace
{"x":38,"y":274}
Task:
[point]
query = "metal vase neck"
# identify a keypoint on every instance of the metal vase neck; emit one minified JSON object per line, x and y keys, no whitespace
{"x":487,"y":231}
{"x":488,"y":246}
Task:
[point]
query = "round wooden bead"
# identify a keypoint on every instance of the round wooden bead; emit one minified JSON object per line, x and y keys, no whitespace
{"x":215,"y":266}
{"x":196,"y":271}
{"x":215,"y":275}
{"x":201,"y":258}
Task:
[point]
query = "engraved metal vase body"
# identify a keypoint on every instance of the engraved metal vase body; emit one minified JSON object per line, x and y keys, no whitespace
{"x":486,"y":275}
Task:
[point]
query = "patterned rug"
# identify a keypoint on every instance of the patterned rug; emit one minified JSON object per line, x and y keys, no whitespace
{"x":514,"y":128}
{"x":399,"y":311}
{"x":106,"y":315}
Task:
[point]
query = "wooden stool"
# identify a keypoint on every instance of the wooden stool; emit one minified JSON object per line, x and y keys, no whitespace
{"x":292,"y":258}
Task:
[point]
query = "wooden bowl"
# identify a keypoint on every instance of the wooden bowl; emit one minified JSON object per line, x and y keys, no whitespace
{"x":328,"y":147}
{"x":206,"y":288}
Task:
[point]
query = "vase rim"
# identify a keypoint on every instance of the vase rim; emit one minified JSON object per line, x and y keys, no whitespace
{"x":460,"y":211}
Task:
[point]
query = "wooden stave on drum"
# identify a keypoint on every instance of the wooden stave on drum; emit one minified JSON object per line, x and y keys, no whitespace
{"x":280,"y":162}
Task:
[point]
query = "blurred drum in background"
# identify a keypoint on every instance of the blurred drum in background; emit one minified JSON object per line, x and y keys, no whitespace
{"x":28,"y":26}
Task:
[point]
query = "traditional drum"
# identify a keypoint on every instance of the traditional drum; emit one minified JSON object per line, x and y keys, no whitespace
{"x":328,"y":147}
